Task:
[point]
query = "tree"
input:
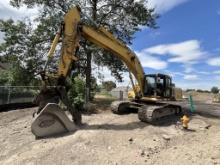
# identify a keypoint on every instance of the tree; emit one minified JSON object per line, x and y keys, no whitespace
{"x":190,"y":90}
{"x":20,"y":49}
{"x":77,"y":92}
{"x":202,"y":91}
{"x":108,"y":85}
{"x":94,"y":87}
{"x":121,"y":17}
{"x":214,"y":90}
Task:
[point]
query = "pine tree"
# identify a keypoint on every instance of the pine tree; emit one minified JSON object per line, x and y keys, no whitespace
{"x":121,"y":17}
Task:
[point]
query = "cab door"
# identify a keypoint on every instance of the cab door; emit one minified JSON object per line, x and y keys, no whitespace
{"x":168,"y":87}
{"x":150,"y":85}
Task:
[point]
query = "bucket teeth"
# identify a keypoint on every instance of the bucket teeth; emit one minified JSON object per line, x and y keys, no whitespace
{"x":52,"y":120}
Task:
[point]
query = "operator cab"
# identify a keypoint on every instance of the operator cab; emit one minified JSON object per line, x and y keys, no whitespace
{"x":158,"y":85}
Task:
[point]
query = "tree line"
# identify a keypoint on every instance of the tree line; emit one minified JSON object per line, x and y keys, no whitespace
{"x":214,"y":90}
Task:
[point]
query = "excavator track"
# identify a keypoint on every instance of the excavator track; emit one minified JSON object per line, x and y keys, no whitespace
{"x":120,"y":107}
{"x":149,"y":113}
{"x":152,"y":113}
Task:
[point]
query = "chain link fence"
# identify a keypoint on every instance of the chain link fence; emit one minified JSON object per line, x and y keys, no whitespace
{"x":119,"y":95}
{"x":26,"y":94}
{"x":17,"y":94}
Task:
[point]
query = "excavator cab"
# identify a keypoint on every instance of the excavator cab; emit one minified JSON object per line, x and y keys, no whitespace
{"x":158,"y":85}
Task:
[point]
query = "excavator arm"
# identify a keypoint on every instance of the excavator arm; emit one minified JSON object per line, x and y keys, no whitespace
{"x":51,"y":118}
{"x":106,"y":40}
{"x":73,"y":30}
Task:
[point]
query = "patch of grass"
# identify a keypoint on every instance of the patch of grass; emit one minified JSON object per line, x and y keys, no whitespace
{"x":103,"y":102}
{"x":104,"y":92}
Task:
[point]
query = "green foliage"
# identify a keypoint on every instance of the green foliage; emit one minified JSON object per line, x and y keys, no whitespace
{"x":21,"y":51}
{"x":5,"y":78}
{"x":215,"y":90}
{"x":25,"y":45}
{"x":122,"y":17}
{"x":108,"y":85}
{"x":17,"y":76}
{"x":77,"y":92}
{"x":94,"y":87}
{"x":98,"y":88}
{"x":202,"y":91}
{"x":190,"y":90}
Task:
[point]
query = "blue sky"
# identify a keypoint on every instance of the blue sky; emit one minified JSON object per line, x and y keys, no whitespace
{"x":186,"y":45}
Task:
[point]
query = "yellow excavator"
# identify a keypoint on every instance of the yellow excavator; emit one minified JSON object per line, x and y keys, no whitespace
{"x":151,"y":98}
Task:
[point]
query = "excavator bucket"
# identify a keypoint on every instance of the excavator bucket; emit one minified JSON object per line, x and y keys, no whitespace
{"x":52,"y":120}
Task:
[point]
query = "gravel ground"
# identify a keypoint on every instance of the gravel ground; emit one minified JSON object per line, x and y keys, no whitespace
{"x":107,"y":138}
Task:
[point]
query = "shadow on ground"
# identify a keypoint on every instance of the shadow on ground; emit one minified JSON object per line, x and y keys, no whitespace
{"x":172,"y":120}
{"x":127,"y":126}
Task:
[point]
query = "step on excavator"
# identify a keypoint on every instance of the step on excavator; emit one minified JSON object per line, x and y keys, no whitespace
{"x":151,"y":97}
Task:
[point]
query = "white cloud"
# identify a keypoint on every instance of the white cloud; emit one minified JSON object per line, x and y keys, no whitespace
{"x":187,"y":52}
{"x":1,"y":37}
{"x":191,"y":77}
{"x":217,"y":72}
{"x":141,"y":27}
{"x":150,"y":62}
{"x":203,"y":72}
{"x":173,"y":73}
{"x":217,"y":77}
{"x":7,"y":11}
{"x":214,"y":61}
{"x":162,"y":6}
{"x":188,"y":69}
{"x":106,"y":76}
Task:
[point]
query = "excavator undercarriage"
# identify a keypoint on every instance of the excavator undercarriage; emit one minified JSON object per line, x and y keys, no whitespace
{"x":149,"y":112}
{"x":159,"y":100}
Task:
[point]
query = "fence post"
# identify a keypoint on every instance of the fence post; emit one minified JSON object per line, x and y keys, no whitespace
{"x":192,"y":108}
{"x":121,"y":95}
{"x":9,"y":95}
{"x":87,"y":96}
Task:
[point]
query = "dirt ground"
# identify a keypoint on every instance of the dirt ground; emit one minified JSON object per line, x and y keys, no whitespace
{"x":198,"y":96}
{"x":106,"y":138}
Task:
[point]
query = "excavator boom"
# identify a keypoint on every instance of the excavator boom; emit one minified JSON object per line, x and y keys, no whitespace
{"x":99,"y":36}
{"x":106,"y":40}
